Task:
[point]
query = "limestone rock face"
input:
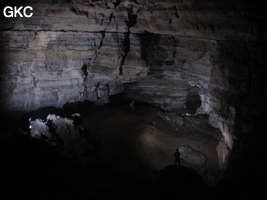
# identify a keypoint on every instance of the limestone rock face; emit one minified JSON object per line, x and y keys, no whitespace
{"x":160,"y":52}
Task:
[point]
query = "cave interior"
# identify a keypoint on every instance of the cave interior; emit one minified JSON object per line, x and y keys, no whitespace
{"x":96,"y":96}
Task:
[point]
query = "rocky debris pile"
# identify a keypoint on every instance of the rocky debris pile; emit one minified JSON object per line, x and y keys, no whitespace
{"x":75,"y":141}
{"x":192,"y":156}
{"x":198,"y":124}
{"x":172,"y":119}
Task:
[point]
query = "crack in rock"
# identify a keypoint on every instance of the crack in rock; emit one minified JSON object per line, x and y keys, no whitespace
{"x":84,"y":69}
{"x":132,"y":20}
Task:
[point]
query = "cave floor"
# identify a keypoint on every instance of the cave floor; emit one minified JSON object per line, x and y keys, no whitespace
{"x":140,"y":141}
{"x":134,"y":158}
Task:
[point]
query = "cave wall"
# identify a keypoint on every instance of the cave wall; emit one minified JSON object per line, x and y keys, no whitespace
{"x":157,"y":50}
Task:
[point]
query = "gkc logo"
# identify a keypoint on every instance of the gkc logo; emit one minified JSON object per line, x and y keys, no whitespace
{"x":14,"y":12}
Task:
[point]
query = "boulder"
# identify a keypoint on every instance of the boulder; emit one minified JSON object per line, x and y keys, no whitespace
{"x":192,"y":156}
